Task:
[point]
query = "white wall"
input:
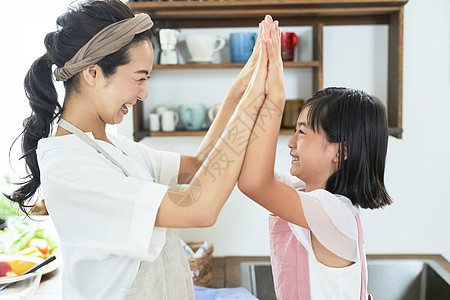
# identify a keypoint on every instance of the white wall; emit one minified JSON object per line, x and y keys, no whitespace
{"x":22,"y":29}
{"x":417,"y":172}
{"x":417,"y":169}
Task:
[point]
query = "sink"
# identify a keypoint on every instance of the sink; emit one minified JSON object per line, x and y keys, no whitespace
{"x":393,"y":279}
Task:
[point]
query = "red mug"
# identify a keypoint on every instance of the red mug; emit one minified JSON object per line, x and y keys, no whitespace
{"x":288,"y":42}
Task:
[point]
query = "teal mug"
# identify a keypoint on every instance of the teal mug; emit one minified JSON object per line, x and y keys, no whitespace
{"x":192,"y":116}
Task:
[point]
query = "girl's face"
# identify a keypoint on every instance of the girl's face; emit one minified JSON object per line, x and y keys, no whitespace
{"x":127,"y":85}
{"x":314,"y":159}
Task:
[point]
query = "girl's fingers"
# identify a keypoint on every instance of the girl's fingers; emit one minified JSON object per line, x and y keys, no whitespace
{"x":273,"y":57}
{"x":276,"y":39}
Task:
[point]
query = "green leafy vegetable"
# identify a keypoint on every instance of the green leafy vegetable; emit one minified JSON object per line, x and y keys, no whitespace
{"x":19,"y":233}
{"x":8,"y":208}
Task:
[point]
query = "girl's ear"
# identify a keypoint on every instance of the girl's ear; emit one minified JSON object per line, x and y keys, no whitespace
{"x":341,"y":147}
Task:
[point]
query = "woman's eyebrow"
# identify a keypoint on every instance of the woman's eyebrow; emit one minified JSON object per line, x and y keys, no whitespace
{"x":142,"y":71}
{"x":299,"y":124}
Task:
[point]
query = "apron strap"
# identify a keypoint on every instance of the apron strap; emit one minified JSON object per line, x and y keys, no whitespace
{"x":85,"y":138}
{"x":362,"y":257}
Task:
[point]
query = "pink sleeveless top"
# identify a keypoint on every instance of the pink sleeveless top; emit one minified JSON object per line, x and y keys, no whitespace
{"x":290,"y":262}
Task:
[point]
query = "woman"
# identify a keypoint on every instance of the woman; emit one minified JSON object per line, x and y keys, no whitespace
{"x":113,"y":200}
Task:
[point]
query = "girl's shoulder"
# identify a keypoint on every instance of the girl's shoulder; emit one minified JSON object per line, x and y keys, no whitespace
{"x":331,"y":202}
{"x":327,"y":199}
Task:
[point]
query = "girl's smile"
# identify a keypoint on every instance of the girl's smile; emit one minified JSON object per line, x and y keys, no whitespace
{"x":295,"y":158}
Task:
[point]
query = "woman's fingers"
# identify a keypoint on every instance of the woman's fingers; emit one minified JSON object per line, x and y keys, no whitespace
{"x":266,"y":29}
{"x":258,"y":40}
{"x":256,"y":87}
{"x":255,"y":54}
{"x":261,"y":67}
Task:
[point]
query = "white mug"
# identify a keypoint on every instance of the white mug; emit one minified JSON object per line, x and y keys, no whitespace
{"x":160,"y":109}
{"x":169,"y":120}
{"x":154,"y":122}
{"x":202,"y":46}
{"x":213,"y":111}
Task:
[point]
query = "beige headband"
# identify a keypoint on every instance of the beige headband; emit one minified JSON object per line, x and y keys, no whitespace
{"x":106,"y":41}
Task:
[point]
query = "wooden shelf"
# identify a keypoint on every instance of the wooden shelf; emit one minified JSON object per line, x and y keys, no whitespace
{"x":177,"y":133}
{"x":196,"y":14}
{"x":314,"y":13}
{"x":145,"y":133}
{"x":287,"y":64}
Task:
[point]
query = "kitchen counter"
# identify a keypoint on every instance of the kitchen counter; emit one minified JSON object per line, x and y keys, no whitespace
{"x":226,"y":272}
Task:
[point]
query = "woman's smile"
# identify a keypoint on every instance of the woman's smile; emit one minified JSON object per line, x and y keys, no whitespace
{"x":125,"y":107}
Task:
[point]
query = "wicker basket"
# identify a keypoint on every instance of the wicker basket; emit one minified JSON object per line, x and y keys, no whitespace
{"x":201,"y":267}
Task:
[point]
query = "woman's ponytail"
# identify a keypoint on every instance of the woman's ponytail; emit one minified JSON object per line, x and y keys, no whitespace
{"x":43,"y":98}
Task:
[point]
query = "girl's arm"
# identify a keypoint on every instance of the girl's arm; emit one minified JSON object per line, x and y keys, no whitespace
{"x":256,"y":179}
{"x":200,"y":204}
{"x":189,"y":165}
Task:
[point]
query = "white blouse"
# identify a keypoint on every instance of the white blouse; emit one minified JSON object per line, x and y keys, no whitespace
{"x":332,"y":220}
{"x":105,"y":221}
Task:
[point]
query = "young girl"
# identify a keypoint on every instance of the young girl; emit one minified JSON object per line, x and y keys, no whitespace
{"x":112,"y":200}
{"x":338,"y":155}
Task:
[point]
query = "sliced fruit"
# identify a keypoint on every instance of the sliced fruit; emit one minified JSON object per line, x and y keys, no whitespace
{"x":21,"y":266}
{"x":34,"y":251}
{"x":4,"y":268}
{"x":41,"y":244}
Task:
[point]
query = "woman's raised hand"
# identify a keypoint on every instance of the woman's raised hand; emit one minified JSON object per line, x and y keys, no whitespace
{"x":255,"y":92}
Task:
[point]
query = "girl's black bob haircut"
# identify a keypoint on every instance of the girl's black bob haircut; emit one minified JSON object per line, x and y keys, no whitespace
{"x":357,"y":121}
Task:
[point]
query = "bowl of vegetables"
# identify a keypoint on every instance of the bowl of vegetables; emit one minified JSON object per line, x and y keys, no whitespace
{"x":15,"y":282}
{"x":33,"y":236}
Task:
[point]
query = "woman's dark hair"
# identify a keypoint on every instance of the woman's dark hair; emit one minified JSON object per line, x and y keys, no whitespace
{"x":74,"y":29}
{"x":358,"y":123}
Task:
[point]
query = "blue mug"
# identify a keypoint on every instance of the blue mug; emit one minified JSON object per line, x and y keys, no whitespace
{"x":241,"y":46}
{"x":192,"y":116}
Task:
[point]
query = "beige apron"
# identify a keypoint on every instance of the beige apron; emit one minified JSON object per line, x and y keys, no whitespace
{"x":168,"y":277}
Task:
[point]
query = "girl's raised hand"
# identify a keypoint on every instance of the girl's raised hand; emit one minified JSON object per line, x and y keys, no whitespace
{"x":275,"y":77}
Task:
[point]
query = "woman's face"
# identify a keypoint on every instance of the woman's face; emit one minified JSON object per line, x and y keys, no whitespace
{"x":127,"y":85}
{"x":313,"y":157}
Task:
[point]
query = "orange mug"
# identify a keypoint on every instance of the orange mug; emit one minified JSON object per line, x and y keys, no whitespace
{"x":288,"y":42}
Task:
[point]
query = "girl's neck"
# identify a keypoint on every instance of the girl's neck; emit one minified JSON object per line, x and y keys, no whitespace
{"x":311,"y":186}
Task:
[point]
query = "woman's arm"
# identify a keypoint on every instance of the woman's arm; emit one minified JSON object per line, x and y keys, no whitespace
{"x":200,"y":204}
{"x":190,"y":164}
{"x":256,"y":179}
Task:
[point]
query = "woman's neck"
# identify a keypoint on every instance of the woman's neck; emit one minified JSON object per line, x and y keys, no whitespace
{"x":84,"y":118}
